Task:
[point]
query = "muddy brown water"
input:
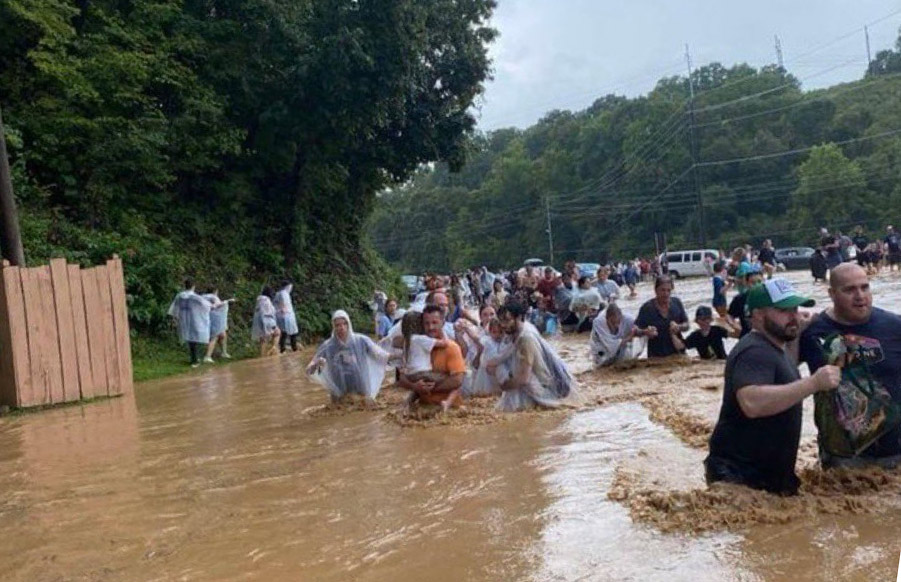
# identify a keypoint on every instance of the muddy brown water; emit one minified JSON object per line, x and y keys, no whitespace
{"x":238,"y":473}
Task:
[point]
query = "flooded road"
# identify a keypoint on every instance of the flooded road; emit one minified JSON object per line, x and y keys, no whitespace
{"x":237,"y":473}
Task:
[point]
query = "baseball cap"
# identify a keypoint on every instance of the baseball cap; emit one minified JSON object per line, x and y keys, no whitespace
{"x":703,"y":312}
{"x":778,"y":293}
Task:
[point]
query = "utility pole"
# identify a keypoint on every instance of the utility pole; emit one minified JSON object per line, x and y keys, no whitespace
{"x":702,"y":226}
{"x":866,"y":35}
{"x":10,"y":237}
{"x":550,"y":231}
{"x":779,"y":59}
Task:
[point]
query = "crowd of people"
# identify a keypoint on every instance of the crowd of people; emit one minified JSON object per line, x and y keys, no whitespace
{"x":480,"y":334}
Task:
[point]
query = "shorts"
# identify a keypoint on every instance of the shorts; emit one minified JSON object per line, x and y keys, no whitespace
{"x":864,"y":258}
{"x":894,"y":258}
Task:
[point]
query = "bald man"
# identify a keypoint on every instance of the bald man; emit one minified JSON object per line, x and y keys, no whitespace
{"x":870,"y":335}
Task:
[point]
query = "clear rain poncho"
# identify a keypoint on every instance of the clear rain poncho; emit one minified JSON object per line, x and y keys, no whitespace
{"x":192,"y":312}
{"x":284,"y":311}
{"x":263,"y":319}
{"x":356,"y":366}
{"x":480,"y":382}
{"x":218,"y":315}
{"x":549,"y":382}
{"x":606,"y":347}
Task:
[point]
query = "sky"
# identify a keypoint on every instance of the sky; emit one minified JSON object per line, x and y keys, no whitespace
{"x":564,"y":54}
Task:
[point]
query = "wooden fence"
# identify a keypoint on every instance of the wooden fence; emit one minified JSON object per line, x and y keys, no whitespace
{"x":63,"y":333}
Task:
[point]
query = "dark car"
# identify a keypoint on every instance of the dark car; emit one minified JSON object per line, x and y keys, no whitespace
{"x":794,"y":257}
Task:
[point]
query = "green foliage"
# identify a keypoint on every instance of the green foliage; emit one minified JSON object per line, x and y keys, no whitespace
{"x":234,"y":141}
{"x":615,"y":174}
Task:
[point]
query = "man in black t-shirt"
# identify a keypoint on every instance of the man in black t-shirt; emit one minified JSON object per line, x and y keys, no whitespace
{"x":829,"y":244}
{"x":861,"y":241}
{"x":755,"y":442}
{"x":767,"y":257}
{"x":892,"y":242}
{"x":870,"y":334}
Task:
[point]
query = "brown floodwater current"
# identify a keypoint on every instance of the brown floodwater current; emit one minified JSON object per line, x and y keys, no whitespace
{"x":241,"y":472}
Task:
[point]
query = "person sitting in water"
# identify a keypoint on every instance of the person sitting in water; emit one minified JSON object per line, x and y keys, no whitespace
{"x":611,"y":337}
{"x":539,"y":378}
{"x":417,"y":349}
{"x":348,"y":362}
{"x":446,"y":360}
{"x":491,"y":345}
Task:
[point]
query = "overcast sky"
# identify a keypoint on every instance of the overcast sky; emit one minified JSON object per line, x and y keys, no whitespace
{"x":563,"y":54}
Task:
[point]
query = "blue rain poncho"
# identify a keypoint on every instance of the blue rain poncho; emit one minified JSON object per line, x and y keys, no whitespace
{"x":606,"y":347}
{"x":284,"y":312}
{"x":192,"y":312}
{"x":218,"y":315}
{"x":263,"y":319}
{"x":355,"y":366}
{"x":549,"y":383}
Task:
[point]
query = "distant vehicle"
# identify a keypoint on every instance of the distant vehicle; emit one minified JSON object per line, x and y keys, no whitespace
{"x":533,"y":263}
{"x":794,"y":257}
{"x":690,"y":263}
{"x":588,"y":269}
{"x":412,"y":283}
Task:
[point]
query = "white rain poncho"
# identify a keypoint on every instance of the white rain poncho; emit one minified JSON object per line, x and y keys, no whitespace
{"x":549,"y":382}
{"x":193,"y":315}
{"x":263,"y":319}
{"x":356,"y":366}
{"x":585,"y":301}
{"x":284,"y":311}
{"x":480,"y":382}
{"x":605,"y":346}
{"x":218,"y":315}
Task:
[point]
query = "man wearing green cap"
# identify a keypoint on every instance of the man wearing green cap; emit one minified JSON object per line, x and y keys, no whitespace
{"x":755,"y":442}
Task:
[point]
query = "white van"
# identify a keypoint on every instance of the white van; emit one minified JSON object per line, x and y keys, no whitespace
{"x":690,"y":263}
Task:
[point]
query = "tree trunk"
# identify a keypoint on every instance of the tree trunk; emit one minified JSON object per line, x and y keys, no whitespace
{"x":10,"y":237}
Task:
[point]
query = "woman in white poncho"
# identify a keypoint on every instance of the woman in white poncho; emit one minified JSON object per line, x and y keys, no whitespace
{"x":539,"y":377}
{"x":218,"y":324}
{"x":265,"y":329}
{"x":285,"y":317}
{"x":192,"y":314}
{"x":614,"y":337}
{"x":348,"y":362}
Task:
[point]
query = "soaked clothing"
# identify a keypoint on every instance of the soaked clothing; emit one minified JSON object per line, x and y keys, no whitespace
{"x":877,"y":343}
{"x":662,"y":345}
{"x":607,"y":347}
{"x":355,"y":366}
{"x":548,"y":380}
{"x":757,"y":452}
{"x":737,"y":312}
{"x":709,"y":346}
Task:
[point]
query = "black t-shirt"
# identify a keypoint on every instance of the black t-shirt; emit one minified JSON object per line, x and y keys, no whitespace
{"x":759,"y":452}
{"x":861,"y":242}
{"x":767,"y":256}
{"x":879,"y":343}
{"x":710,"y":346}
{"x":737,"y":311}
{"x":662,"y":345}
{"x":894,"y":242}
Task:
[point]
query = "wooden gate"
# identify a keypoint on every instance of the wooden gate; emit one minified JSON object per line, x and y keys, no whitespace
{"x":63,"y":333}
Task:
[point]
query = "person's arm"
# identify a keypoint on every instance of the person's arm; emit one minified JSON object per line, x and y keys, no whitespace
{"x":450,"y":383}
{"x":456,"y":369}
{"x":767,"y":400}
{"x":678,"y":343}
{"x":420,"y":387}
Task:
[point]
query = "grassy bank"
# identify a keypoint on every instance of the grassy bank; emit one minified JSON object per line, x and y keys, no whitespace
{"x":154,"y":358}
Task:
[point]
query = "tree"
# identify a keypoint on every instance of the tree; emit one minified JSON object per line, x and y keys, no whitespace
{"x":832,"y":191}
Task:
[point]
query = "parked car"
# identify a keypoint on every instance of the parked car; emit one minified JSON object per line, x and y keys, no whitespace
{"x":412,"y":283}
{"x":588,"y":269}
{"x":690,"y":263}
{"x":794,"y":257}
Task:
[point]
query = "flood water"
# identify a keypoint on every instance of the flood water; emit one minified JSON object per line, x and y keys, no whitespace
{"x":225,"y":474}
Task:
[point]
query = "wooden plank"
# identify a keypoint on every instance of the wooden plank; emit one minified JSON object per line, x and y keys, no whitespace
{"x":52,"y":360}
{"x":16,"y":382}
{"x":120,"y":320}
{"x":34,"y":320}
{"x":96,"y":340}
{"x":114,"y":385}
{"x":79,"y":320}
{"x":59,"y":276}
